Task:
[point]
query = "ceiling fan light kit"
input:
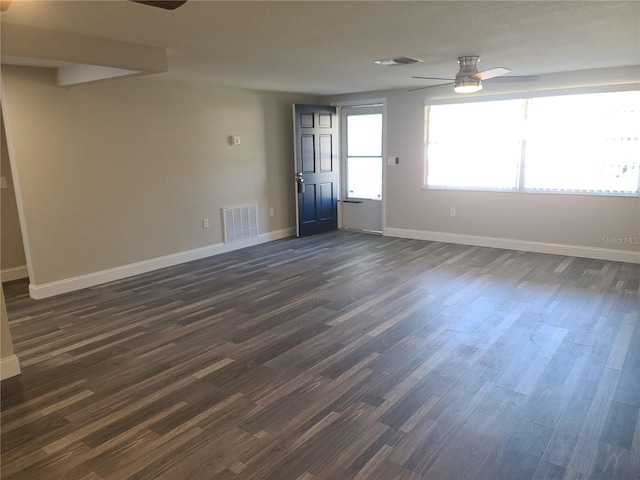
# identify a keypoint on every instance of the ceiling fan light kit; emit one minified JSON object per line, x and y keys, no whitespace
{"x":467,"y":85}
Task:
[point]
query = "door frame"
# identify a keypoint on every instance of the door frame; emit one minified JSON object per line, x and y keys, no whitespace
{"x":368,"y":102}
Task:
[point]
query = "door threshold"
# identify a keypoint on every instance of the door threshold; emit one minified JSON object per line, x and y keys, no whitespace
{"x":355,"y":230}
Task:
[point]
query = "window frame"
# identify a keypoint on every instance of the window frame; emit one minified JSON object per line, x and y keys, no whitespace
{"x":526,"y":96}
{"x":367,"y":109}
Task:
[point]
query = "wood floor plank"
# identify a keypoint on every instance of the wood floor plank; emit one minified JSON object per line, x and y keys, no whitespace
{"x":424,"y":445}
{"x":335,"y":357}
{"x":550,"y":471}
{"x":548,"y":399}
{"x":633,"y":470}
{"x":610,"y":461}
{"x":517,"y":453}
{"x":628,"y":388}
{"x":478,"y":437}
{"x":527,"y":367}
{"x":572,"y":444}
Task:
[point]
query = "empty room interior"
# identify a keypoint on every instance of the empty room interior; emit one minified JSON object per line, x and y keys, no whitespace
{"x":304,"y":240}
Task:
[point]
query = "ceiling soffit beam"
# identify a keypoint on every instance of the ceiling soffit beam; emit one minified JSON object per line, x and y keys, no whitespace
{"x":88,"y":58}
{"x":76,"y":73}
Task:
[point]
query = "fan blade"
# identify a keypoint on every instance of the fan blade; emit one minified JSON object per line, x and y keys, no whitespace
{"x":431,"y":86}
{"x":491,"y":73}
{"x":516,"y":78}
{"x":166,"y":4}
{"x":435,"y":78}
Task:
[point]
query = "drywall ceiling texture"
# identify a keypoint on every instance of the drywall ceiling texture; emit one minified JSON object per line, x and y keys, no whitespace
{"x":329,"y":47}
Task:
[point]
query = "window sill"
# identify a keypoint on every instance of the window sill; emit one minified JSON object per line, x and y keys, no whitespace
{"x":535,"y":191}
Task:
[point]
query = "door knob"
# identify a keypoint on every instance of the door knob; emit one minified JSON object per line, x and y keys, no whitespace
{"x":300,"y":182}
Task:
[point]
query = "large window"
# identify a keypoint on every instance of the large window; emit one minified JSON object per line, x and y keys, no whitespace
{"x":578,"y":143}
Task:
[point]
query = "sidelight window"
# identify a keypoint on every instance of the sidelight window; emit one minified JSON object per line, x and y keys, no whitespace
{"x":364,"y":156}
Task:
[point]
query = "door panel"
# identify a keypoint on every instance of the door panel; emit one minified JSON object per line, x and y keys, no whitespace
{"x":326,"y":153}
{"x":316,"y":167}
{"x":308,"y":154}
{"x":326,"y":201}
{"x":309,"y":214}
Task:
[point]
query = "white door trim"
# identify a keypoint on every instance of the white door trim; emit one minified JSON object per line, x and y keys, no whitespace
{"x":371,"y":102}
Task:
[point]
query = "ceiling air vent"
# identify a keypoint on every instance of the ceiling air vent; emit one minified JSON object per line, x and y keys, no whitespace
{"x":393,"y":62}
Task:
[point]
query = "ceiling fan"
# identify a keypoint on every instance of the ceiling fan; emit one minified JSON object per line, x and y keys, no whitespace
{"x":166,"y":4}
{"x":469,"y":78}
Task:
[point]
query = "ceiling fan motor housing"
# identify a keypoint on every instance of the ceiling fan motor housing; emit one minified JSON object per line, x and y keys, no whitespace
{"x":468,"y":66}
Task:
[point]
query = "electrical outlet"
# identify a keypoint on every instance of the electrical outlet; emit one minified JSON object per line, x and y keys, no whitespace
{"x":3,"y":182}
{"x":271,"y":212}
{"x":205,"y":223}
{"x":452,"y":212}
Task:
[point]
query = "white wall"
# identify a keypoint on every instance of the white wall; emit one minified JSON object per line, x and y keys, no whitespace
{"x":565,"y":224}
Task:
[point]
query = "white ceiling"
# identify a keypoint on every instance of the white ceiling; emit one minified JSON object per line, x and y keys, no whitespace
{"x":328,"y":47}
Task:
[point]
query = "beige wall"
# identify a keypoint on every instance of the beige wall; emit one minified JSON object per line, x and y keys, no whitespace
{"x":11,"y":248}
{"x":6,"y":346}
{"x":9,"y":364}
{"x":125,"y":170}
{"x":575,"y":220}
{"x":12,"y":252}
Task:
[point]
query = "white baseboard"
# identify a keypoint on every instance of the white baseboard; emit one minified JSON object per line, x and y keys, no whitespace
{"x":15,"y":273}
{"x":118,"y":273}
{"x":523,"y":245}
{"x":9,"y":367}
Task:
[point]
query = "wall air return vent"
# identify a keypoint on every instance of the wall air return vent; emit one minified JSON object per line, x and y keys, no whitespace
{"x":240,"y":222}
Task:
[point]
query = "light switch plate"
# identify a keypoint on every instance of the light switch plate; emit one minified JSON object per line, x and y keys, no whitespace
{"x":3,"y":182}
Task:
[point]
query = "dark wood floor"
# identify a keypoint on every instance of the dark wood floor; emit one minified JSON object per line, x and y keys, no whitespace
{"x":341,"y":356}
